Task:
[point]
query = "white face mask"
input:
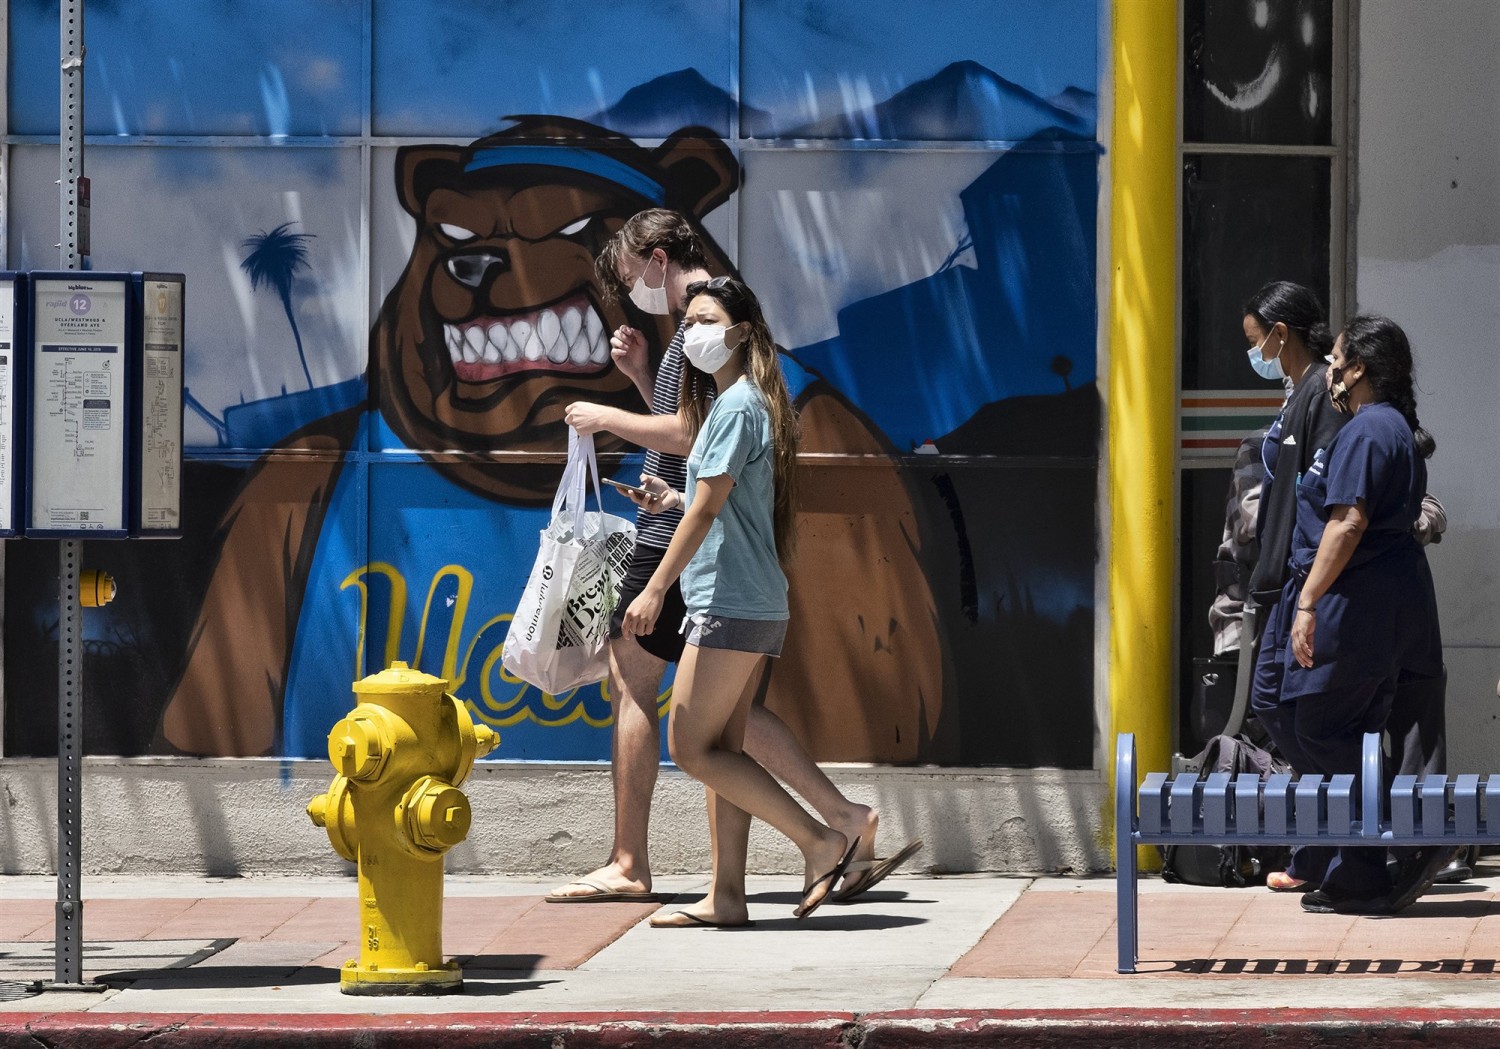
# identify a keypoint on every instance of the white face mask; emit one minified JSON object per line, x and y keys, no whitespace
{"x":706,"y":348}
{"x":652,"y":300}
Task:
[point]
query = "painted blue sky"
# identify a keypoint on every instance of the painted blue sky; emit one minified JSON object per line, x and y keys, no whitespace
{"x":804,"y":59}
{"x":210,"y":67}
{"x":453,"y":68}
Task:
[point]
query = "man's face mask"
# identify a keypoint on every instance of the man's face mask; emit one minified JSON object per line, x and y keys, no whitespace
{"x":652,"y":300}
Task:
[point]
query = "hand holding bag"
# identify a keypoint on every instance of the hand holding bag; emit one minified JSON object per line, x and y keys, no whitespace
{"x":559,"y":638}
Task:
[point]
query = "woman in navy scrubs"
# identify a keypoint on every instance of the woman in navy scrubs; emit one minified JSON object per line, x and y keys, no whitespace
{"x":1358,"y":613}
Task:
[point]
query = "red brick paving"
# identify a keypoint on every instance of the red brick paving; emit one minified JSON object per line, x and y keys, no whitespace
{"x":1453,"y":931}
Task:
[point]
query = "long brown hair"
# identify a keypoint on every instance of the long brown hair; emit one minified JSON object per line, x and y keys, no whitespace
{"x":763,"y":365}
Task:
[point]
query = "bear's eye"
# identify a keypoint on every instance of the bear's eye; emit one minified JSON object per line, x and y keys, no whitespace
{"x":457,"y":233}
{"x":575,"y":227}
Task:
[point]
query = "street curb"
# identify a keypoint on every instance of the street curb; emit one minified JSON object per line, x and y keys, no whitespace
{"x":1074,"y":1029}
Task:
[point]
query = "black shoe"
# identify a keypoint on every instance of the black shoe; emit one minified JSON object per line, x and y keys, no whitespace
{"x":1321,"y":901}
{"x":1455,"y":872}
{"x":1416,"y":874}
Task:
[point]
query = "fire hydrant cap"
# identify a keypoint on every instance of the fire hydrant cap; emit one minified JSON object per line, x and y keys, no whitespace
{"x":400,"y":678}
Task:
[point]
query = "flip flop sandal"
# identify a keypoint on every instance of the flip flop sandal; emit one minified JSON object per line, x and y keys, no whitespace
{"x":1281,"y":881}
{"x":874,"y":871}
{"x":803,"y":909}
{"x":693,"y":921}
{"x":602,"y":894}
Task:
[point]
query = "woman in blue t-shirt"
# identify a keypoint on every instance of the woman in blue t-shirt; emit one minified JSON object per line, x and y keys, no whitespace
{"x":737,"y":531}
{"x":1358,"y":614}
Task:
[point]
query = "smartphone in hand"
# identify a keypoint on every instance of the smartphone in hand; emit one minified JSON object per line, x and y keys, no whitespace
{"x":623,"y":487}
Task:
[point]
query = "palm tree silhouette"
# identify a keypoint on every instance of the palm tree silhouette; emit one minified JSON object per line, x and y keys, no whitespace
{"x":274,"y":259}
{"x":1062,"y":367}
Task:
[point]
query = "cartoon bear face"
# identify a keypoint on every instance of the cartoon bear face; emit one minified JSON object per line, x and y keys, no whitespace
{"x":497,"y":322}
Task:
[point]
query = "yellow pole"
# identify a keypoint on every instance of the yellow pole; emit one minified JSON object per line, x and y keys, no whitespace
{"x":1142,"y":377}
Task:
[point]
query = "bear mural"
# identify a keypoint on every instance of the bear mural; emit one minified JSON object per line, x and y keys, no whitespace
{"x":439,"y":484}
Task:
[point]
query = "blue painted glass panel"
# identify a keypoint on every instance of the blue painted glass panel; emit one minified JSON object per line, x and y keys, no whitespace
{"x":204,"y":212}
{"x":940,"y":292}
{"x":273,"y":67}
{"x":963,"y":70}
{"x":640,"y":67}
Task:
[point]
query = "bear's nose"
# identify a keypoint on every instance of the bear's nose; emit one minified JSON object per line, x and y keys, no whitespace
{"x":472,"y":269}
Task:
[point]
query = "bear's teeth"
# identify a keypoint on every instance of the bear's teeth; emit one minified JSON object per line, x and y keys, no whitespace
{"x":548,"y":327}
{"x":473,"y":345}
{"x":503,"y":343}
{"x":572,"y":324}
{"x":595,"y":324}
{"x":455,"y":342}
{"x":557,"y":353}
{"x":578,"y":353}
{"x":491,"y":352}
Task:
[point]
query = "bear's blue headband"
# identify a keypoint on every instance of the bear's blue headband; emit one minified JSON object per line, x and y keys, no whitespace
{"x":573,"y":159}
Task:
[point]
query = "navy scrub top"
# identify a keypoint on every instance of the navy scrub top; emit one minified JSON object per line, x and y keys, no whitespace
{"x":1379,"y":618}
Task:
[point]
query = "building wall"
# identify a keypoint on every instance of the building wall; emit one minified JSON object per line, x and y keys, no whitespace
{"x":362,"y":226}
{"x":1428,"y":256}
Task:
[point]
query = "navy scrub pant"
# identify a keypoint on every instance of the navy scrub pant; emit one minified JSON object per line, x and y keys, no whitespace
{"x":1322,"y":733}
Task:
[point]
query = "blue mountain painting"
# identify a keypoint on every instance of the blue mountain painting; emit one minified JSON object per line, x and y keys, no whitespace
{"x":964,"y":101}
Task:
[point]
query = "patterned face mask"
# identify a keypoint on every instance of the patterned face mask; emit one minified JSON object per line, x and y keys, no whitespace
{"x":1338,"y":392}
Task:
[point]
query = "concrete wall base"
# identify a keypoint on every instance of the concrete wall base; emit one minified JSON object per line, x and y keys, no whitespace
{"x":247,"y":816}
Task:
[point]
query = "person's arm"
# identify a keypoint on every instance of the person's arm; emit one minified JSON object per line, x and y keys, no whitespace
{"x":1432,"y":521}
{"x":1346,"y":525}
{"x":661,"y":433}
{"x":708,"y":500}
{"x":627,"y":348}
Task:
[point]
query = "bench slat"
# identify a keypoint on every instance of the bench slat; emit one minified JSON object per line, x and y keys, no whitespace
{"x":1309,"y":792}
{"x":1341,"y":804}
{"x":1277,"y":812}
{"x":1153,"y":803}
{"x":1184,"y":810}
{"x":1492,"y":804}
{"x":1247,"y":803}
{"x":1404,"y":806}
{"x":1466,"y":805}
{"x":1434,"y":805}
{"x":1216,"y":803}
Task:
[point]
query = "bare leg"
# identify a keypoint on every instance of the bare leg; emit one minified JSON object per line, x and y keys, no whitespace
{"x":729,"y":833}
{"x":770,"y":742}
{"x":635,"y":755}
{"x":710,"y":693}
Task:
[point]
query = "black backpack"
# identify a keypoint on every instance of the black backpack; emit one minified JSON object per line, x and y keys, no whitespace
{"x":1232,"y":866}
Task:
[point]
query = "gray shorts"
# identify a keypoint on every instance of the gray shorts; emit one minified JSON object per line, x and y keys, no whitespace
{"x":707,"y":630}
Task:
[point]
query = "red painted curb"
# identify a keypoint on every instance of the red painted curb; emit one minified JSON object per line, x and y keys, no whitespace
{"x":1073,"y":1029}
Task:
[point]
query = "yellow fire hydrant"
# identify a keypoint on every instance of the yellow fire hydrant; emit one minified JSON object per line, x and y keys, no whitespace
{"x":395,"y":809}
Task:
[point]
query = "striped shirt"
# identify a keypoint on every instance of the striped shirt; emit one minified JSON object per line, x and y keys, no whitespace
{"x":657,"y":529}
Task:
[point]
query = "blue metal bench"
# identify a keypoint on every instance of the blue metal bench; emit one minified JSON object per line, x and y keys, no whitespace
{"x":1286,"y":810}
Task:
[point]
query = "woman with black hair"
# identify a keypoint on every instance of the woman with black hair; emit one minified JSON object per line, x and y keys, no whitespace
{"x":1289,"y":340}
{"x":1358,"y":614}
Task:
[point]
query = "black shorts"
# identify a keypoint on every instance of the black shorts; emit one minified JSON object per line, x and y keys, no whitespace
{"x":665,"y":640}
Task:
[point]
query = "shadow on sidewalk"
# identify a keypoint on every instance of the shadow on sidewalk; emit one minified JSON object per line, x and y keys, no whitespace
{"x":492,"y":974}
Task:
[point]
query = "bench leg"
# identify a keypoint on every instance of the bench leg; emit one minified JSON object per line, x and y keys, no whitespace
{"x":1126,"y":897}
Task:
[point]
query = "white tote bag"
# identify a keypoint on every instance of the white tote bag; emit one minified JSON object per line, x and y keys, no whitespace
{"x":559,"y":637}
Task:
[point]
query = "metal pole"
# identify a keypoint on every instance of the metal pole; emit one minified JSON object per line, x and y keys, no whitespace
{"x":69,"y":938}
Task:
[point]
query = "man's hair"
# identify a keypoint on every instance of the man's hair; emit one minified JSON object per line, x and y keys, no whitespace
{"x":642,"y":234}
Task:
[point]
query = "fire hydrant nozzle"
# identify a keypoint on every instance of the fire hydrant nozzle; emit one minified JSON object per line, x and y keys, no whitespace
{"x":395,"y":809}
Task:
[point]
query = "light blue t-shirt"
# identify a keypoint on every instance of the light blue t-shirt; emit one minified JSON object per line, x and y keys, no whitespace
{"x":735,"y":572}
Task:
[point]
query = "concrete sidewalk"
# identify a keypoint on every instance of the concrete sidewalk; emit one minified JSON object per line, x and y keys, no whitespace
{"x":920,"y":960}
